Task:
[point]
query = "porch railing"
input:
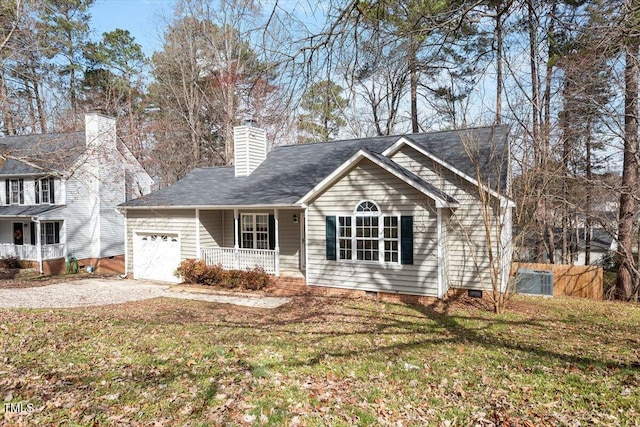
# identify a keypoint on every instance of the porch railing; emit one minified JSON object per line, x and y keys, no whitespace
{"x":30,"y":252}
{"x":241,"y":259}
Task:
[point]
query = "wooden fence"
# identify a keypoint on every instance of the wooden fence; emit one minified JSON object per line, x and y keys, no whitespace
{"x":585,"y":281}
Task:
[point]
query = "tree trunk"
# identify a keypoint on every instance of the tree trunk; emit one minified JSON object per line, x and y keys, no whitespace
{"x":5,"y":108}
{"x":413,"y":74}
{"x":625,"y":279}
{"x":39,"y":104}
{"x":499,"y":13}
{"x":589,"y":196}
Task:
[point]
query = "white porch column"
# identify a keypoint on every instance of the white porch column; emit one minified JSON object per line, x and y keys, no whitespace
{"x":198,"y":254}
{"x":236,"y":244}
{"x":39,"y":245}
{"x":276,"y":246}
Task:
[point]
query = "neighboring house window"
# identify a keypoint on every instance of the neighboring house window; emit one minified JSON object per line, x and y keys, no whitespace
{"x":49,"y":233}
{"x":374,"y":236}
{"x":254,"y":231}
{"x":45,"y":191}
{"x":14,"y":191}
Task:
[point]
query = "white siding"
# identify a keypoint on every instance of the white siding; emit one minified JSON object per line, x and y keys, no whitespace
{"x":111,"y":175}
{"x":368,"y":181}
{"x":81,"y":214}
{"x":467,"y":255}
{"x":250,"y":149}
{"x":163,"y":221}
{"x":289,"y":237}
{"x":210,"y":228}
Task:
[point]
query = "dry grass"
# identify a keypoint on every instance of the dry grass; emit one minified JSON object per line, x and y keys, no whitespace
{"x":323,"y":361}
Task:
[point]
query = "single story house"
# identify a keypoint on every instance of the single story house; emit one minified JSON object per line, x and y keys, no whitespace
{"x":412,"y":214}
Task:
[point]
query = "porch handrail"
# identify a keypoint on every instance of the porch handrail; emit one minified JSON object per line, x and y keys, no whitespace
{"x":30,"y":252}
{"x":241,"y":259}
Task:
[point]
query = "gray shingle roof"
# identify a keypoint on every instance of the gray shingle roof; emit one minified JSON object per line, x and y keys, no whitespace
{"x":26,"y":211}
{"x":289,"y":172}
{"x":32,"y":154}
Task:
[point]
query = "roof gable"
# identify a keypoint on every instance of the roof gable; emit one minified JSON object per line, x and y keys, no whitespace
{"x":441,"y":199}
{"x":407,"y":142}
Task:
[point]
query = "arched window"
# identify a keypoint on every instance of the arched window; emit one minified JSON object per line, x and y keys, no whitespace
{"x":367,"y":235}
{"x":367,"y":206}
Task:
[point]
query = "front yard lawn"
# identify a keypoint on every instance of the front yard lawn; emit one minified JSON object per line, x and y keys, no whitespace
{"x":322,"y":361}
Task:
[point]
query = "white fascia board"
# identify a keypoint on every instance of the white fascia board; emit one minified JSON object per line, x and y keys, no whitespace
{"x":361,"y":154}
{"x":396,"y":146}
{"x":210,"y":207}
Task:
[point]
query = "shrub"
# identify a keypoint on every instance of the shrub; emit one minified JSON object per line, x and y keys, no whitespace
{"x":191,"y":271}
{"x":213,"y":275}
{"x":234,"y":279}
{"x":11,"y":262}
{"x":256,"y":279}
{"x":197,"y":271}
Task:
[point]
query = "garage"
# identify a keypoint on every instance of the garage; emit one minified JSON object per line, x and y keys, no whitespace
{"x":156,"y":256}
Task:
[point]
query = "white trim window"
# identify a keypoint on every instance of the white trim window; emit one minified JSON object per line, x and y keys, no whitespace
{"x":44,"y":191}
{"x":368,"y":236}
{"x":15,"y":192}
{"x":49,"y":233}
{"x":254,"y":231}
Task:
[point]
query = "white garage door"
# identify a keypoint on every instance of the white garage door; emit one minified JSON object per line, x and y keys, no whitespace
{"x":156,"y":256}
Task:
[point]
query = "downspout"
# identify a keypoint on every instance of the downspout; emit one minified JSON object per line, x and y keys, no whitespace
{"x":198,"y":249}
{"x":506,"y":239}
{"x":440,"y":252}
{"x":126,"y":243}
{"x":122,"y":212}
{"x":36,"y":220}
{"x":276,"y":217}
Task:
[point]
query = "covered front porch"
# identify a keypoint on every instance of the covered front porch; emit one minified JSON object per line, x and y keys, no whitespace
{"x":32,"y":239}
{"x":272,"y":239}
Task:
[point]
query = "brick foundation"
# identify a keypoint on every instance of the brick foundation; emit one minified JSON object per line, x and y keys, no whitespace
{"x":54,"y":267}
{"x":298,"y":286}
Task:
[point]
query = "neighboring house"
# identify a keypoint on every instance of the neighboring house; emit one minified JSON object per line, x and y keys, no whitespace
{"x":59,"y":195}
{"x":602,"y":246}
{"x":396,"y":214}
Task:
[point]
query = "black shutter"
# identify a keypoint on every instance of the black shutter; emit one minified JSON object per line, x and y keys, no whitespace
{"x":406,"y":240}
{"x":56,"y":232}
{"x":331,"y":237}
{"x":8,"y":195}
{"x":21,"y":181}
{"x":33,"y":233}
{"x":239,"y":242}
{"x":272,"y":232}
{"x":37,"y":182}
{"x":52,"y":197}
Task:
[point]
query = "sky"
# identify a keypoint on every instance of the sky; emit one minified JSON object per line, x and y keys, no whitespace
{"x":140,"y":17}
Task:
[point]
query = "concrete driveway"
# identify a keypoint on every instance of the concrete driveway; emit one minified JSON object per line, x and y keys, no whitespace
{"x":92,"y":292}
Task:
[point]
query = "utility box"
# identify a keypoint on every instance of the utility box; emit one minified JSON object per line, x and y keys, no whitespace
{"x":534,"y":282}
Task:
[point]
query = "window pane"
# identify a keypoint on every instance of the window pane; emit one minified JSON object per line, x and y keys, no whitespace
{"x":391,"y":239}
{"x":262,"y":222}
{"x":247,"y":222}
